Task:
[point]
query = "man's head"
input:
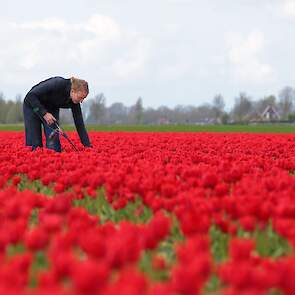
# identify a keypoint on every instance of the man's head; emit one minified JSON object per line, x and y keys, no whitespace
{"x":79,"y":90}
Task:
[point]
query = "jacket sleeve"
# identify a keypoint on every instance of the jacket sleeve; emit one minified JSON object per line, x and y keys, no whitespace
{"x":43,"y":89}
{"x":33,"y":101}
{"x":79,"y":123}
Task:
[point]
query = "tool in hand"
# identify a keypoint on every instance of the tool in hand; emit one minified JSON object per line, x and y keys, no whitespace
{"x":58,"y":130}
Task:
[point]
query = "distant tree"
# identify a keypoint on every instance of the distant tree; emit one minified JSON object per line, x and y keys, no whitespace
{"x":19,"y":108}
{"x":286,"y":100}
{"x":225,"y":118}
{"x":242,"y":107}
{"x":11,"y":111}
{"x":117,"y":113}
{"x":11,"y":115}
{"x":178,"y":113}
{"x":218,"y":106}
{"x":291,"y":117}
{"x":204,"y":114}
{"x":261,"y":104}
{"x":149,"y":116}
{"x":97,"y":109}
{"x":3,"y":110}
{"x":270,"y":99}
{"x":137,"y":112}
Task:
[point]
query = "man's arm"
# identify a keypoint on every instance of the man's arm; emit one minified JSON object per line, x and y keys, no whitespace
{"x":79,"y":123}
{"x":33,"y":101}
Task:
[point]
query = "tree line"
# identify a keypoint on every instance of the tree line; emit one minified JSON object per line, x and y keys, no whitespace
{"x":95,"y":110}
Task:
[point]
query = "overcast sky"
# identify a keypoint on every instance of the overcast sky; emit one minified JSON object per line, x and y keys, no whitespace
{"x":169,"y":52}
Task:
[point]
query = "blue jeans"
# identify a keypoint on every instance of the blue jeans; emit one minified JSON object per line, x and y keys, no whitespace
{"x":34,"y":132}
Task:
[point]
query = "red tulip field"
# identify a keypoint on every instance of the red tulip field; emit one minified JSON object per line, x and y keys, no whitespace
{"x":149,"y":213}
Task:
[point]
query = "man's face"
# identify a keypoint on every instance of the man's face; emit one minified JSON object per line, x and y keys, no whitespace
{"x":78,"y":96}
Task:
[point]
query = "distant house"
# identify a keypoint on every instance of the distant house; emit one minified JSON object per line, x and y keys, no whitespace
{"x":163,"y":121}
{"x":270,"y":114}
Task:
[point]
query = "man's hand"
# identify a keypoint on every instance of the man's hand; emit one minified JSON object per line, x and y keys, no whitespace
{"x":49,"y":118}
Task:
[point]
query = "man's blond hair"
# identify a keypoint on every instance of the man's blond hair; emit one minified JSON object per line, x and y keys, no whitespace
{"x":79,"y":85}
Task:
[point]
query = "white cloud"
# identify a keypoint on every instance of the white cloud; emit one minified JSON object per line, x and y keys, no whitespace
{"x":133,"y":61}
{"x":47,"y":24}
{"x":174,"y":71}
{"x":99,"y":46}
{"x":105,"y":28}
{"x":288,"y":7}
{"x":171,"y":28}
{"x":180,"y":46}
{"x":244,"y":57}
{"x":180,"y":1}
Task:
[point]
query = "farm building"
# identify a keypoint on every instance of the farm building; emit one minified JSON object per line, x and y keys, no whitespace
{"x":270,"y":114}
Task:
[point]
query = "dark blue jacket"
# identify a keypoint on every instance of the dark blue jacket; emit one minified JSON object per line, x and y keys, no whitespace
{"x":52,"y":94}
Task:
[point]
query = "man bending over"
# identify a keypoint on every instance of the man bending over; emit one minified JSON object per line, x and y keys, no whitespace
{"x":41,"y":107}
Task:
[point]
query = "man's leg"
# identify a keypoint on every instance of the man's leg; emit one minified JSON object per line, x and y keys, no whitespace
{"x":28,"y":135}
{"x":32,"y":128}
{"x":54,"y":142}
